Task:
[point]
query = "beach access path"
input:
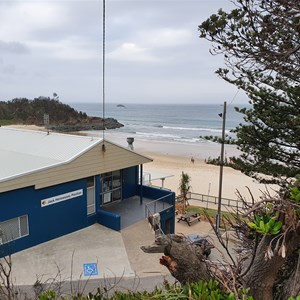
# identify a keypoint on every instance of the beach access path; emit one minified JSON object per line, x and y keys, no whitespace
{"x":122,"y":265}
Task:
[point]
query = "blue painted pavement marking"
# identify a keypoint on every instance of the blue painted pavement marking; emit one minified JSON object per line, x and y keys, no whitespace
{"x":90,"y":269}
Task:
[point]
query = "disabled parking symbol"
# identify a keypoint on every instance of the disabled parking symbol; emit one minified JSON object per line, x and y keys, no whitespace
{"x":90,"y":269}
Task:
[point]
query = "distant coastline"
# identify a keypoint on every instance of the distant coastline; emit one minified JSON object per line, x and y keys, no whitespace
{"x":52,"y":114}
{"x":180,"y":124}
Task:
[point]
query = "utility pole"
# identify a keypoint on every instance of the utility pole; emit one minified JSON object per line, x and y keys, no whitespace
{"x":218,"y":216}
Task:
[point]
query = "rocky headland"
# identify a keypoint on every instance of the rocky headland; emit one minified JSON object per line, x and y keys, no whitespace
{"x":52,"y":114}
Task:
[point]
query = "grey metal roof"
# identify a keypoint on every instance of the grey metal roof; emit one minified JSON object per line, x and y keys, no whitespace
{"x":26,"y":151}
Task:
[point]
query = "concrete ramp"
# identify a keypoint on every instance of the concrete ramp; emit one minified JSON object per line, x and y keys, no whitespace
{"x":73,"y":257}
{"x":144,"y":264}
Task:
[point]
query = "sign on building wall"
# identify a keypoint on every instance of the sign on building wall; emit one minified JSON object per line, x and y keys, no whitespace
{"x":62,"y":197}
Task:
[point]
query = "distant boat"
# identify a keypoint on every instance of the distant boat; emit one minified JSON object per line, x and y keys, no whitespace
{"x":121,"y":105}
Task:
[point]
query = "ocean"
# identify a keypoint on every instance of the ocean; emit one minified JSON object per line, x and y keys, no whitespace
{"x":168,"y":123}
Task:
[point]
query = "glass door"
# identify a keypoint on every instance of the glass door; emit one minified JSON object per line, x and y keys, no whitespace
{"x":111,"y":187}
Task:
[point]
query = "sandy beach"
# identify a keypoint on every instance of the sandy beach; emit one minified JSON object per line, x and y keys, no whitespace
{"x":204,"y":177}
{"x":171,"y":159}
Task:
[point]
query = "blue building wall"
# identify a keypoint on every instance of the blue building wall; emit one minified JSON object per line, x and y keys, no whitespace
{"x":130,"y":181}
{"x":48,"y":222}
{"x":167,"y":220}
{"x":155,"y":193}
{"x":52,"y":221}
{"x":167,"y":216}
{"x":109,"y":219}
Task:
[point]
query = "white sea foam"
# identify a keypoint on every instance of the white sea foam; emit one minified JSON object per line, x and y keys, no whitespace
{"x":157,"y":135}
{"x":215,"y":130}
{"x":183,"y":128}
{"x":167,"y":123}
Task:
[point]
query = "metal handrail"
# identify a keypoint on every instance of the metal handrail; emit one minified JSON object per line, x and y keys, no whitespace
{"x":149,"y":213}
{"x":145,"y":175}
{"x":226,"y":202}
{"x":147,"y":205}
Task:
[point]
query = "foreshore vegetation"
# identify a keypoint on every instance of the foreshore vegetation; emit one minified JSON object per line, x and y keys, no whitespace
{"x":51,"y":113}
{"x":259,"y":41}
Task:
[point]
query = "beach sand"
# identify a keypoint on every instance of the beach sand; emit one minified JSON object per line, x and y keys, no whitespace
{"x":171,"y":159}
{"x":26,"y":127}
{"x":204,"y":177}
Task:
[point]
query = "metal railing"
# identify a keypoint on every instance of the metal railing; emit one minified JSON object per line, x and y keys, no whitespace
{"x":147,"y":180}
{"x":211,"y":201}
{"x":161,"y":203}
{"x":148,"y":214}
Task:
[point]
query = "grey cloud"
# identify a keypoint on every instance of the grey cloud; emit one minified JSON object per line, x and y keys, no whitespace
{"x":13,"y":47}
{"x":9,"y":69}
{"x":179,"y":71}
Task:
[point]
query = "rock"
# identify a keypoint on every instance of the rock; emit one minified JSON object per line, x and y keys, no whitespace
{"x":93,"y":124}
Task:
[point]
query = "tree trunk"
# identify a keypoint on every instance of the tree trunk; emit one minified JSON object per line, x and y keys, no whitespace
{"x":292,"y":286}
{"x":186,"y":263}
{"x":184,"y":260}
{"x":289,"y":279}
{"x":263,"y":272}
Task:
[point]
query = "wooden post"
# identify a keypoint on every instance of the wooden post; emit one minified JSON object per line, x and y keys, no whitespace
{"x":218,"y":216}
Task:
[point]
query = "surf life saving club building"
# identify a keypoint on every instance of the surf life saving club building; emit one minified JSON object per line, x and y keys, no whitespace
{"x":53,"y":184}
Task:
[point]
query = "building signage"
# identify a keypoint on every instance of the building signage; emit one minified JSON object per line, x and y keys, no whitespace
{"x":60,"y":198}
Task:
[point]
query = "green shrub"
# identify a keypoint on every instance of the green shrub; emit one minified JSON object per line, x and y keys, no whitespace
{"x":47,"y":295}
{"x":201,"y":290}
{"x":266,"y":225}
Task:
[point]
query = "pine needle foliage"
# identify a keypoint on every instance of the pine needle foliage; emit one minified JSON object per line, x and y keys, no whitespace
{"x":259,"y":40}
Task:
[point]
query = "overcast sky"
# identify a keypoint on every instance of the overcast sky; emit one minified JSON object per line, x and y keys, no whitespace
{"x":153,"y":52}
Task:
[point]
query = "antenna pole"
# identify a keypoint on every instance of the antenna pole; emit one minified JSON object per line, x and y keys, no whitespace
{"x":103,"y":68}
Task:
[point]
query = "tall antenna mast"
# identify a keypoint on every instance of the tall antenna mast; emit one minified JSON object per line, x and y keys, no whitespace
{"x":103,"y":69}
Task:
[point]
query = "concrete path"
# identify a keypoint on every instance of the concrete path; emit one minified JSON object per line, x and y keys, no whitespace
{"x":205,"y":229}
{"x":65,"y":257}
{"x":117,"y":254}
{"x":144,"y":264}
{"x":122,"y":265}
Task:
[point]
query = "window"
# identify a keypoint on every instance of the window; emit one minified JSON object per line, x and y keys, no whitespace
{"x":91,"y":207}
{"x":111,"y":186}
{"x":13,"y":229}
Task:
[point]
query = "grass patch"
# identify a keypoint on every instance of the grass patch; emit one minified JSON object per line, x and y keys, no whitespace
{"x":195,"y":209}
{"x":211,"y":213}
{"x":4,"y":122}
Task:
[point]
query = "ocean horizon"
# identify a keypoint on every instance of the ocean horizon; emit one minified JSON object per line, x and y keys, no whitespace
{"x":167,"y":129}
{"x":169,"y":123}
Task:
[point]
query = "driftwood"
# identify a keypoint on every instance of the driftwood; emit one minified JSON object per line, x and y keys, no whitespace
{"x":184,"y":260}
